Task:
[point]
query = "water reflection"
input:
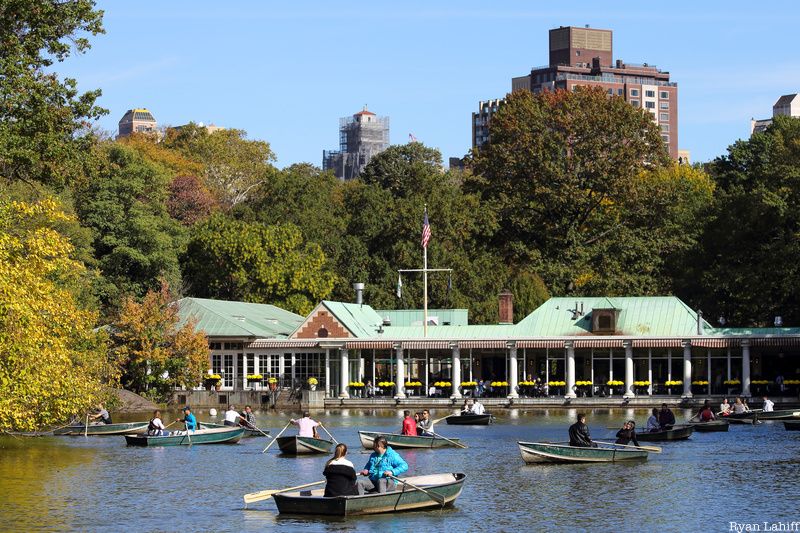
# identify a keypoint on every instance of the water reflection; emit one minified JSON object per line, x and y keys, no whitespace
{"x":98,"y":483}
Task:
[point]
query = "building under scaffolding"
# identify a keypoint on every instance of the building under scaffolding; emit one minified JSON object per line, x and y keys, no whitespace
{"x":361,"y":136}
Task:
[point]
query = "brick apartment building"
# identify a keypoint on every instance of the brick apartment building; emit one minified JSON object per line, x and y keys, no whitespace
{"x":584,"y":57}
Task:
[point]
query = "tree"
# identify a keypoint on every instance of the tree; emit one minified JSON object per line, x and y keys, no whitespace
{"x":233,"y":165}
{"x":403,"y":168}
{"x":252,"y":262}
{"x":189,"y":200}
{"x":135,"y":240}
{"x":44,"y":121}
{"x":746,"y":267}
{"x":155,"y":351}
{"x":564,"y":173}
{"x":53,"y":364}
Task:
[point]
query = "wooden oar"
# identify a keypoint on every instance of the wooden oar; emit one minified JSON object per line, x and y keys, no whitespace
{"x":438,"y":420}
{"x":796,"y":413}
{"x":86,"y":427}
{"x":328,"y":432}
{"x":265,"y":494}
{"x":448,"y":440}
{"x":187,"y":433}
{"x":278,"y":435}
{"x":653,"y":449}
{"x":435,"y":497}
{"x":248,"y":425}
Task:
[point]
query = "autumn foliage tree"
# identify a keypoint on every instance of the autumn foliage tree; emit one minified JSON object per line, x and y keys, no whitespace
{"x":155,"y":349}
{"x":53,"y":363}
{"x":189,"y":200}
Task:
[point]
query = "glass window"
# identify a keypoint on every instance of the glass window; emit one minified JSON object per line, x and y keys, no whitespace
{"x":650,"y":94}
{"x":664,"y":105}
{"x":635,"y":103}
{"x":227,"y":370}
{"x":620,"y":92}
{"x":665,"y":128}
{"x":664,"y":95}
{"x":650,"y":105}
{"x":664,"y":116}
{"x":634,"y":92}
{"x":611,"y":91}
{"x":666,"y":138}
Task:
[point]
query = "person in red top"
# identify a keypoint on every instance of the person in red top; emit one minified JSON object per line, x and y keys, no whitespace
{"x":706,"y":413}
{"x":409,"y":425}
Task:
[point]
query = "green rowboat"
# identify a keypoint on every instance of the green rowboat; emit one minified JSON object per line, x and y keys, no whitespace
{"x":548,"y":453}
{"x":404,"y":498}
{"x":714,"y":425}
{"x":248,"y":432}
{"x":781,"y":414}
{"x":398,"y":441}
{"x":792,"y":425}
{"x":102,"y":429}
{"x":297,"y":445}
{"x":230,"y":435}
{"x":676,"y":433}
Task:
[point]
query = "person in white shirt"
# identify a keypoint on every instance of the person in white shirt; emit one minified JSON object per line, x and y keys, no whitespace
{"x":306,"y":426}
{"x":725,"y":407}
{"x":477,"y":408}
{"x":156,"y":426}
{"x":232,"y":416}
{"x":769,"y":405}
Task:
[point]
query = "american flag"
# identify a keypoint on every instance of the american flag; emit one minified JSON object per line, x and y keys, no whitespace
{"x":411,"y":138}
{"x":426,"y":230}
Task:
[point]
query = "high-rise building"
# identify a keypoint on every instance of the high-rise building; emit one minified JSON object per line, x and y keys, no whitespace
{"x":361,"y":136}
{"x":584,"y":57}
{"x":137,"y":121}
{"x":787,"y":105}
{"x":481,"y":119}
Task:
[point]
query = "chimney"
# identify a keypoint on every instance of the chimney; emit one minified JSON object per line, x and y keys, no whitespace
{"x":359,"y":288}
{"x":699,"y":322}
{"x":506,"y":307}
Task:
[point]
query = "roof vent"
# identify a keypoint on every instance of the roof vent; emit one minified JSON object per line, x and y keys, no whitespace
{"x":387,"y":321}
{"x":240,"y":318}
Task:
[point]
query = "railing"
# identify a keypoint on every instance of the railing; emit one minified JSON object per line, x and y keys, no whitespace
{"x":616,"y":79}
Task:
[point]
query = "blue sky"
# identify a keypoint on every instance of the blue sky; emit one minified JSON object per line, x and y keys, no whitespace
{"x":286,"y":71}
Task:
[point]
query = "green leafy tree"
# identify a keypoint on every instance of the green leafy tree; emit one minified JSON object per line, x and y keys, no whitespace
{"x":236,"y":260}
{"x":53,"y":363}
{"x":136,"y":242}
{"x":746,"y":267}
{"x":44,"y":120}
{"x":155,"y":351}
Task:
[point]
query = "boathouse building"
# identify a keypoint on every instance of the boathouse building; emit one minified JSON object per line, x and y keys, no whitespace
{"x":629,"y":346}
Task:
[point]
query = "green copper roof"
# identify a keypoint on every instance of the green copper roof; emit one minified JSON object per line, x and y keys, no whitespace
{"x":646,"y":316}
{"x":360,"y":319}
{"x":220,"y":318}
{"x":496,"y":332}
{"x":755,"y":331}
{"x":408,"y":317}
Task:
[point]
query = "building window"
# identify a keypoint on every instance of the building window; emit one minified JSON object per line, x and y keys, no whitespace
{"x":664,"y":95}
{"x":577,"y":53}
{"x":611,"y":92}
{"x":650,"y":105}
{"x":664,"y":105}
{"x":620,"y":92}
{"x":665,"y":138}
{"x":650,"y":94}
{"x":635,"y":103}
{"x":634,"y":92}
{"x":665,"y":128}
{"x":664,"y":117}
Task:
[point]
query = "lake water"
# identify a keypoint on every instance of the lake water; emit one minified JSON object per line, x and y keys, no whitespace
{"x":747,"y":475}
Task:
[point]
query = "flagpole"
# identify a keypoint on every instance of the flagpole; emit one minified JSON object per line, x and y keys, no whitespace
{"x":425,"y":290}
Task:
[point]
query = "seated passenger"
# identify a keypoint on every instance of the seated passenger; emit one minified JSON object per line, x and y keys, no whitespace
{"x":341,"y":474}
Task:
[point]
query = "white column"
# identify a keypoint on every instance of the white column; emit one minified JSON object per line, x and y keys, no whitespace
{"x":427,"y":372}
{"x":570,"y":370}
{"x":746,"y":368}
{"x":280,"y":370}
{"x":687,"y":369}
{"x":669,"y":364}
{"x":327,"y":372}
{"x":513,"y":372}
{"x":401,"y":373}
{"x":456,"y":374}
{"x":650,"y":371}
{"x":294,"y":366}
{"x":344,"y":373}
{"x":628,"y":370}
{"x":361,"y":365}
{"x":470,"y":364}
{"x":256,"y":369}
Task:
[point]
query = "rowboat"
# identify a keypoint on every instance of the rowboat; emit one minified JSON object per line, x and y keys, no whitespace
{"x":102,"y":429}
{"x":781,"y":414}
{"x":792,"y":425}
{"x":398,"y":441}
{"x":229,"y":435}
{"x":714,"y":425}
{"x":297,"y":445}
{"x":248,"y":432}
{"x":469,"y":420}
{"x":676,"y":433}
{"x":549,"y":452}
{"x":742,"y":418}
{"x":404,"y":498}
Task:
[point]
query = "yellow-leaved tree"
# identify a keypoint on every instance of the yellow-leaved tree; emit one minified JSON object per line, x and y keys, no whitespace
{"x":53,"y":363}
{"x":156,"y":351}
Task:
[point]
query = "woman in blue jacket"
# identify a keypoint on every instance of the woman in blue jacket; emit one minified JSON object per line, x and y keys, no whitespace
{"x":382,"y":463}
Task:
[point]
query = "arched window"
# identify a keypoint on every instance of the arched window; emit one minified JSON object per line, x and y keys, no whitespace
{"x":322,"y":333}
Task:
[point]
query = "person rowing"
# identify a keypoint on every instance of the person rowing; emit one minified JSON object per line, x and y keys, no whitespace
{"x":232,"y":416}
{"x":579,"y":433}
{"x":188,"y":419}
{"x":101,"y":415}
{"x":706,"y":414}
{"x":627,"y":433}
{"x":306,"y":427}
{"x":382,"y":463}
{"x":425,"y":425}
{"x":666,"y":418}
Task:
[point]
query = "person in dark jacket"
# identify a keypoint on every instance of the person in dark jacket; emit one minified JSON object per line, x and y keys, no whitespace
{"x":579,"y":433}
{"x":666,"y":418}
{"x":627,"y":433}
{"x":341,"y":474}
